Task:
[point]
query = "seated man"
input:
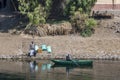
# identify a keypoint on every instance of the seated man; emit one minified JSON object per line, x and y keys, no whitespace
{"x":32,"y":49}
{"x":31,"y":52}
{"x":32,"y":45}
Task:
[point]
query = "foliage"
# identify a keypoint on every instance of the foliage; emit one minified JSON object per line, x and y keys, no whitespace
{"x":35,"y":12}
{"x":90,"y":23}
{"x":77,"y":11}
{"x":78,"y":20}
{"x":83,"y":24}
{"x":48,"y":4}
{"x":83,"y":6}
{"x":88,"y":30}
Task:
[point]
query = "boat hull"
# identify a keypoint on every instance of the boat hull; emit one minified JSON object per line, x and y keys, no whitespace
{"x":73,"y":62}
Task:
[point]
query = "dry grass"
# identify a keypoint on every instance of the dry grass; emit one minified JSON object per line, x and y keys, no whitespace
{"x":63,"y":28}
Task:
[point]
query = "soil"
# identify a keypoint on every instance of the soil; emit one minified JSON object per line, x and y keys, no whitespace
{"x":105,"y":41}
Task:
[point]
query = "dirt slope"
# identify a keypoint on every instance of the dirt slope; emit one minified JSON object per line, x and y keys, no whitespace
{"x":105,"y":41}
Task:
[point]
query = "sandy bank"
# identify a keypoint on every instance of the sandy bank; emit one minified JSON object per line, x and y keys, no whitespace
{"x":78,"y":47}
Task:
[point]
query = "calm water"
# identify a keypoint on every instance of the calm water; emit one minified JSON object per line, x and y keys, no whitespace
{"x":43,"y":70}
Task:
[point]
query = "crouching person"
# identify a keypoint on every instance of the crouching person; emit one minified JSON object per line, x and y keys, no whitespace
{"x":31,"y":52}
{"x":32,"y":49}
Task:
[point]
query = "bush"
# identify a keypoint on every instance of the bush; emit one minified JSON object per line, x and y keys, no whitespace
{"x":36,"y":12}
{"x":86,"y":32}
{"x":78,"y":21}
{"x":83,"y":6}
{"x":83,"y":24}
{"x":90,"y":23}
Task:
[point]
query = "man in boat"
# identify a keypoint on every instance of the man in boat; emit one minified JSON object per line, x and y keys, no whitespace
{"x":68,"y":57}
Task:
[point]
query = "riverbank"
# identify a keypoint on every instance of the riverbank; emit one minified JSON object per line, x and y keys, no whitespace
{"x":16,"y":46}
{"x":103,"y":44}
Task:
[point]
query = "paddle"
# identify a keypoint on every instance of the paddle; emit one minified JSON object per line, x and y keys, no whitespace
{"x":75,"y":62}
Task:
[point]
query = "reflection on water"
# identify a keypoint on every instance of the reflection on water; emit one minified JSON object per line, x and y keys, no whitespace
{"x":33,"y":66}
{"x":45,"y":70}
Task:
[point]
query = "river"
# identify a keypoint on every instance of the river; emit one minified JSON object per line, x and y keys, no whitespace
{"x":44,"y":70}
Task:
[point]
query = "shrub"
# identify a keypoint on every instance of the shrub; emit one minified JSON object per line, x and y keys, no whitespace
{"x":83,"y":6}
{"x":36,"y":12}
{"x":90,"y":23}
{"x":88,"y":30}
{"x":83,"y":24}
{"x":78,"y":21}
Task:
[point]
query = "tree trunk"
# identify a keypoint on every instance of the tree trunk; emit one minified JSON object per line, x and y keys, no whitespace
{"x":2,"y":3}
{"x":9,"y":5}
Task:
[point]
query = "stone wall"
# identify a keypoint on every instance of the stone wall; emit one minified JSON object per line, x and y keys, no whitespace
{"x":107,"y":5}
{"x":108,"y":1}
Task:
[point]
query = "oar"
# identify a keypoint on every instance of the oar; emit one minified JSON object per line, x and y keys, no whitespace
{"x":75,"y":62}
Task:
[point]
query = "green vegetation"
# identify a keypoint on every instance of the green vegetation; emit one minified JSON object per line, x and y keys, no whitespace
{"x":83,"y":24}
{"x":36,"y":12}
{"x":83,"y":6}
{"x":88,"y":29}
{"x":76,"y":11}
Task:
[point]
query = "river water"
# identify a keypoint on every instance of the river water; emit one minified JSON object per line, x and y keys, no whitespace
{"x":43,"y":70}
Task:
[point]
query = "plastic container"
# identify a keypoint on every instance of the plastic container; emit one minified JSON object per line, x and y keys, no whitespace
{"x":39,"y":50}
{"x":49,"y":50}
{"x":44,"y":47}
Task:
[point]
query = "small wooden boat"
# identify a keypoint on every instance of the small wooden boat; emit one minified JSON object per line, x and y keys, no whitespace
{"x":72,"y":66}
{"x":79,"y":63}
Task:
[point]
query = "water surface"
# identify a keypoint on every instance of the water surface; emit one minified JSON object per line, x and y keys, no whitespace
{"x":43,"y":70}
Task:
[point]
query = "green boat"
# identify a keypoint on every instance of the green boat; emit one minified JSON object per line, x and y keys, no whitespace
{"x":79,"y":63}
{"x":72,"y":66}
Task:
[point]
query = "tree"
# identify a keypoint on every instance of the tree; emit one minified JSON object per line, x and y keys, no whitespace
{"x":83,"y":6}
{"x":83,"y":24}
{"x":36,"y":12}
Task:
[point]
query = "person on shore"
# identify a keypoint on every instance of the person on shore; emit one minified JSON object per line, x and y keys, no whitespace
{"x":32,"y":45}
{"x":32,"y":49}
{"x":68,"y":57}
{"x":31,"y":52}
